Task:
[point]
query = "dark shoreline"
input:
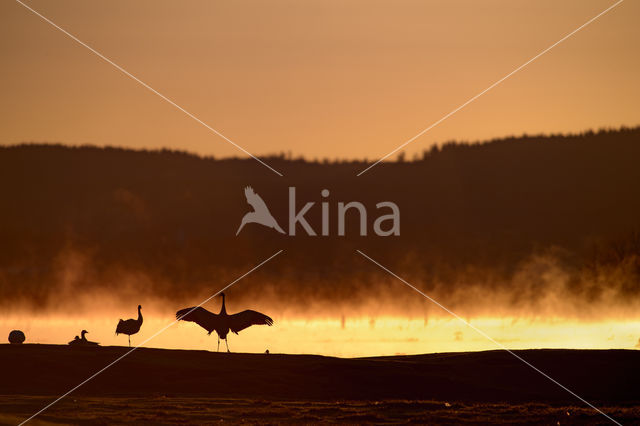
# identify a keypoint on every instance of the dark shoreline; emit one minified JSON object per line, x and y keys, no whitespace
{"x":599,"y":376}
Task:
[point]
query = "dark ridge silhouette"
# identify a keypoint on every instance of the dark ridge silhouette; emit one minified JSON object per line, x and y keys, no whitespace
{"x":493,"y":216}
{"x":130,"y":326}
{"x":223,"y":322}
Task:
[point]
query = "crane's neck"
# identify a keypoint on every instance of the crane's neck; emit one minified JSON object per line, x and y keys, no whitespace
{"x":83,"y":333}
{"x":224,"y":308}
{"x":139,"y":315}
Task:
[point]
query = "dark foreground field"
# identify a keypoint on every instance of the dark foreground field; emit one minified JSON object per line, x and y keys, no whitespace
{"x":174,"y":386}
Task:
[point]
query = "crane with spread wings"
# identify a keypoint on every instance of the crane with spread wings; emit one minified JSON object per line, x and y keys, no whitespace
{"x":222,"y":323}
{"x":260,"y":213}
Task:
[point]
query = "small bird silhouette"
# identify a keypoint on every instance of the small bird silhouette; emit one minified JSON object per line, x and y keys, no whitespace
{"x":82,"y":341}
{"x":130,"y":326}
{"x":260,"y":213}
{"x":223,"y":322}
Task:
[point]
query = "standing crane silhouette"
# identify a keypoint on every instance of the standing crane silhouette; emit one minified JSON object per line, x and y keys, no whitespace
{"x":221,"y":323}
{"x":130,"y":326}
{"x":260,"y":213}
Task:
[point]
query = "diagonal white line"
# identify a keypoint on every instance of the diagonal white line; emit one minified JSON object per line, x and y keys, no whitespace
{"x":422,"y":132}
{"x":482,"y":333}
{"x":133,"y":77}
{"x":153,"y":336}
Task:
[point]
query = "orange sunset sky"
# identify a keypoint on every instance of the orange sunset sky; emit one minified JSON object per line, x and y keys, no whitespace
{"x":318,"y":78}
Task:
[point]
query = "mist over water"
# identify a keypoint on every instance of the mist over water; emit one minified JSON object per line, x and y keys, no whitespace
{"x":541,"y":287}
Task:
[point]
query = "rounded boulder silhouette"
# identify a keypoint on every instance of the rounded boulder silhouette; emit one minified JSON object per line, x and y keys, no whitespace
{"x":16,"y":337}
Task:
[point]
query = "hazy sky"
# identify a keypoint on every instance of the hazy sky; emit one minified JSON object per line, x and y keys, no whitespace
{"x":318,"y":78}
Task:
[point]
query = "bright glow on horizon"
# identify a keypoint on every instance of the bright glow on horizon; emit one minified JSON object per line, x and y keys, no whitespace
{"x":356,"y":338}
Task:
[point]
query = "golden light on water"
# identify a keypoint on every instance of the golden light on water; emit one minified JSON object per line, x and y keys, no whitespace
{"x":351,"y":337}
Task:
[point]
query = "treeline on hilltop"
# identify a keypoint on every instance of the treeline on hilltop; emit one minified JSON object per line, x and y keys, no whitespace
{"x":289,"y":157}
{"x":467,"y":210}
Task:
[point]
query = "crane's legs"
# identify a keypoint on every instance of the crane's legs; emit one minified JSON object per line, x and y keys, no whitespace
{"x":129,"y":341}
{"x":227,"y":342}
{"x":218,"y":343}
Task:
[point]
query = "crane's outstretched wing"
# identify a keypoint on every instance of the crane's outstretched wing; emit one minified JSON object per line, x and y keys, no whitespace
{"x":244,"y":319}
{"x":202,"y":317}
{"x":255,"y":200}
